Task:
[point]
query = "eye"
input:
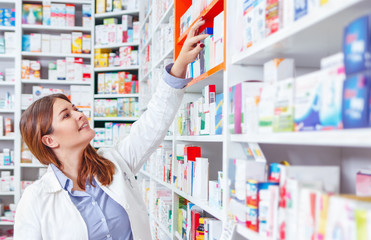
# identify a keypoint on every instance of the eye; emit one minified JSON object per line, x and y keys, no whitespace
{"x":66,"y":115}
{"x":77,"y":110}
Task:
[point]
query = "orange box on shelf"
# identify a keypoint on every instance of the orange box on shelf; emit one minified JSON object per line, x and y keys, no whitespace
{"x":215,"y":8}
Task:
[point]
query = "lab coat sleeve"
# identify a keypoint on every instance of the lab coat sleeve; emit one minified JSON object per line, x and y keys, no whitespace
{"x":149,"y":131}
{"x":27,"y":224}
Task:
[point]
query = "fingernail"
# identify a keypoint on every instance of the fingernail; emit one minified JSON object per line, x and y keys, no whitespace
{"x":202,"y":45}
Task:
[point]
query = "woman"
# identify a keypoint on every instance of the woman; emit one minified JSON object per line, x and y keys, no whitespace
{"x":90,"y":195}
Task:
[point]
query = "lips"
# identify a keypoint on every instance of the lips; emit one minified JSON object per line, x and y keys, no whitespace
{"x":84,"y":125}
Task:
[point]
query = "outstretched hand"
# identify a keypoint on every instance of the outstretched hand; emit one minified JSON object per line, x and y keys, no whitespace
{"x":191,"y":48}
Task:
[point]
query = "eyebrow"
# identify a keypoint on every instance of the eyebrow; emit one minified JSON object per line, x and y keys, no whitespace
{"x":73,"y":106}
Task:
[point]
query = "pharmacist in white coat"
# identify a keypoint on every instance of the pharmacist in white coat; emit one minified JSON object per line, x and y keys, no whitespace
{"x":87,"y":194}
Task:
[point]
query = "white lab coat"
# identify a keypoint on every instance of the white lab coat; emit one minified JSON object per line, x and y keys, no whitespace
{"x":46,"y":211}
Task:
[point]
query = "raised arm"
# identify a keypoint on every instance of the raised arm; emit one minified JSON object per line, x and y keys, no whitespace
{"x":149,"y":131}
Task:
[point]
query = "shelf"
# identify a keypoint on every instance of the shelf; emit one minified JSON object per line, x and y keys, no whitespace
{"x":6,"y":167}
{"x":114,"y":119}
{"x":168,"y":185}
{"x":308,"y":40}
{"x":213,"y":76}
{"x":7,"y":28}
{"x":166,"y":55}
{"x":6,"y":56}
{"x":6,"y":193}
{"x":123,"y":68}
{"x":247,"y":233}
{"x":7,"y":1}
{"x":146,"y":76}
{"x":209,"y":138}
{"x":5,"y":83}
{"x":55,"y":55}
{"x":5,"y":223}
{"x":165,"y":17}
{"x":56,"y":82}
{"x":116,"y":13}
{"x":214,"y":8}
{"x":55,"y":28}
{"x":146,"y":18}
{"x":62,"y":1}
{"x":337,"y":138}
{"x":32,"y":165}
{"x":161,"y":226}
{"x":177,"y":236}
{"x":5,"y":138}
{"x":7,"y":111}
{"x":146,"y":44}
{"x":117,"y":45}
{"x":116,"y":95}
{"x":202,"y":204}
{"x":168,"y":138}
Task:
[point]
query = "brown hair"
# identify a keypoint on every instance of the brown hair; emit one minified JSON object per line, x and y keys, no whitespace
{"x":36,"y":122}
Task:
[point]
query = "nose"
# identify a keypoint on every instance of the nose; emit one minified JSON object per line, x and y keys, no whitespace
{"x":79,"y":115}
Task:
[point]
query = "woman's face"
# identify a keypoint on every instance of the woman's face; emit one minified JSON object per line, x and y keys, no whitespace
{"x":71,"y":127}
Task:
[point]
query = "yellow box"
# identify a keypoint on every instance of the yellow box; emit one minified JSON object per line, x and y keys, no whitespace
{"x":76,"y":42}
{"x":101,"y":60}
{"x":100,"y":6}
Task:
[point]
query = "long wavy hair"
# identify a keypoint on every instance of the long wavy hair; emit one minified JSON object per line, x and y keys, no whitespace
{"x":36,"y":122}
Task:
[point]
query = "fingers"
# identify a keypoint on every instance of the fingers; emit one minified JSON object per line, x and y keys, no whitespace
{"x":197,"y":39}
{"x":197,"y":49}
{"x":196,"y":26}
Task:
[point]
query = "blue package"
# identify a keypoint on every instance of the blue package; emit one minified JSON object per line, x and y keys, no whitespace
{"x":356,"y":46}
{"x":26,"y":39}
{"x":355,"y":110}
{"x":301,"y":9}
{"x":219,"y":114}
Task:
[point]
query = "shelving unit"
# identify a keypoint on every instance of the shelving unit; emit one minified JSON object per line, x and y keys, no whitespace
{"x":307,"y":40}
{"x":55,"y":28}
{"x":57,"y":82}
{"x":113,"y":69}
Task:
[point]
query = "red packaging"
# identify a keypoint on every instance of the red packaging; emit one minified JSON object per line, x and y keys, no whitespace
{"x":191,"y":153}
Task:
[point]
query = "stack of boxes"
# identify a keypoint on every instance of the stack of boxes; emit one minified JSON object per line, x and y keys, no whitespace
{"x":6,"y":127}
{"x":120,"y":107}
{"x":70,"y":69}
{"x":103,"y":6}
{"x":57,"y":15}
{"x":117,"y":83}
{"x":7,"y":43}
{"x":262,"y":18}
{"x":7,"y":17}
{"x":126,"y":56}
{"x":76,"y":42}
{"x":113,"y":33}
{"x":204,"y":116}
{"x":110,"y":134}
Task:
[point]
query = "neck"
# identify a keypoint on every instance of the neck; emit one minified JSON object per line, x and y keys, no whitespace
{"x":71,"y":162}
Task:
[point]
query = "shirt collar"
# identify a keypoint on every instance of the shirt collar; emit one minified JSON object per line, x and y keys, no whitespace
{"x":63,"y":180}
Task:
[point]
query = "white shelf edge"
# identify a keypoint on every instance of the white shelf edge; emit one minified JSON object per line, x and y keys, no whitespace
{"x":5,"y":55}
{"x":116,"y":13}
{"x":340,"y":138}
{"x":124,"y":68}
{"x":166,"y":55}
{"x":56,"y":82}
{"x":7,"y":193}
{"x":64,"y":1}
{"x":161,"y":226}
{"x":6,"y":167}
{"x":248,"y":233}
{"x":4,"y":138}
{"x":5,"y":223}
{"x":43,"y":54}
{"x":202,"y":204}
{"x":309,"y":20}
{"x":168,"y":138}
{"x":145,"y":19}
{"x":7,"y":111}
{"x":57,"y":28}
{"x":5,"y":83}
{"x":165,"y":16}
{"x":206,"y":138}
{"x":146,"y":44}
{"x":32,"y":165}
{"x":106,"y":119}
{"x":117,"y":45}
{"x":7,"y":28}
{"x":98,"y":96}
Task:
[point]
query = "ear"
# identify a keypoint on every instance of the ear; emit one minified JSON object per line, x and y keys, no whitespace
{"x":49,"y":141}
